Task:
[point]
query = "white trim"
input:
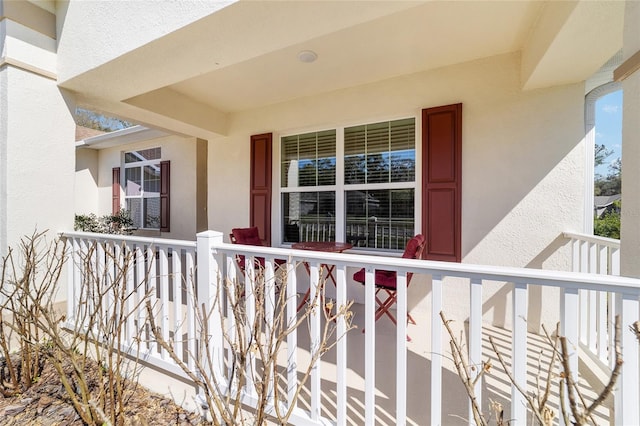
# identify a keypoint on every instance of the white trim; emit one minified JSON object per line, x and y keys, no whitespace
{"x":154,"y":164}
{"x":121,"y":137}
{"x":340,"y":187}
{"x":5,"y":61}
{"x":590,"y":140}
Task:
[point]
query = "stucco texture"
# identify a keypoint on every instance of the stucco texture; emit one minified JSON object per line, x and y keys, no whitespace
{"x":522,"y":178}
{"x":39,"y":156}
{"x":181,"y":152}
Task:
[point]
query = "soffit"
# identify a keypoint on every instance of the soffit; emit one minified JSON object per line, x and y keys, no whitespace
{"x":244,"y":56}
{"x":430,"y":36}
{"x":574,"y":39}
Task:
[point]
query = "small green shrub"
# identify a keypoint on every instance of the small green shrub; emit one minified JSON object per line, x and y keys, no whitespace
{"x":120,"y":223}
{"x":608,"y":226}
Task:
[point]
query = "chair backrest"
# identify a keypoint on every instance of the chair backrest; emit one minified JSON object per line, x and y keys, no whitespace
{"x":414,"y":250}
{"x":247,"y":236}
{"x":415,"y":247}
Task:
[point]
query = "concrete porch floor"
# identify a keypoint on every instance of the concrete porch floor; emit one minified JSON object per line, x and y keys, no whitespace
{"x":496,"y":385}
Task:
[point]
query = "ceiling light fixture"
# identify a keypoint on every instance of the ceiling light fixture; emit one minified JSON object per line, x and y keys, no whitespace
{"x":307,"y":56}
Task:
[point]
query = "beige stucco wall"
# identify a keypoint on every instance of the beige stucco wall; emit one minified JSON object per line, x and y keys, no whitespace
{"x":86,"y":181}
{"x":36,"y":134}
{"x":630,"y":221}
{"x":39,"y":156}
{"x":522,"y":177}
{"x":181,"y":152}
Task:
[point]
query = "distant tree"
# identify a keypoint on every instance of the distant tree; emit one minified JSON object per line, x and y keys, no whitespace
{"x":612,"y":183}
{"x":615,"y":168}
{"x":93,"y":120}
{"x":601,"y":154}
{"x":609,"y":225}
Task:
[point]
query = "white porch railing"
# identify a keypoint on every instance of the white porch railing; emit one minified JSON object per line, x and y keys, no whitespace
{"x":215,"y":260}
{"x":596,"y":255}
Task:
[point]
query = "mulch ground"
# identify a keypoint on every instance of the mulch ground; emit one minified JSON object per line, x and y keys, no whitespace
{"x":46,"y":403}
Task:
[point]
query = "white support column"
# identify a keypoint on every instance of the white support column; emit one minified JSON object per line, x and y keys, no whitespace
{"x":627,"y":405}
{"x":630,"y":225}
{"x":208,"y":286}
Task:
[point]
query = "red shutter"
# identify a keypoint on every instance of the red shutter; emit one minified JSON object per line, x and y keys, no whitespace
{"x":115,"y":190}
{"x":260,"y":191}
{"x":442,"y":182}
{"x":165,"y":184}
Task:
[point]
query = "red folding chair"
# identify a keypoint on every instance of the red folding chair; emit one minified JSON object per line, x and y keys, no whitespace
{"x":386,"y":281}
{"x":250,"y":237}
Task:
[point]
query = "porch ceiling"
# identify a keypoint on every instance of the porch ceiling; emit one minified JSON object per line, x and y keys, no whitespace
{"x":245,"y":55}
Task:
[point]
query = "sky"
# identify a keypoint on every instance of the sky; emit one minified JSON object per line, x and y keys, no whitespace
{"x":609,"y":127}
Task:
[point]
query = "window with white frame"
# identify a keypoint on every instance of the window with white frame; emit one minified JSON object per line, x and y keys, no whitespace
{"x":373,"y":178}
{"x":142,"y":187}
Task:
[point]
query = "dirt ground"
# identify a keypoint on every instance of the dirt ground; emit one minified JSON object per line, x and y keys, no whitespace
{"x":46,"y":404}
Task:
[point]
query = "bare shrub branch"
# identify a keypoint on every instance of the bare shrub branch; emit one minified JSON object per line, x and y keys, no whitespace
{"x":253,"y":341}
{"x":579,"y":411}
{"x":73,"y":346}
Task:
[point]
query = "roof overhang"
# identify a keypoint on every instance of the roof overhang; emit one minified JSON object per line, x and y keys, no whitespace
{"x":121,"y":137}
{"x":244,"y":56}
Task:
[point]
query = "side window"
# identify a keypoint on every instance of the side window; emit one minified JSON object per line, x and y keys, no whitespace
{"x":379,"y":178}
{"x":142,"y":187}
{"x":308,"y":176}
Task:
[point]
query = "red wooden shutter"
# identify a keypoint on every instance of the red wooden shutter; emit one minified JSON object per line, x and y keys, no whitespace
{"x":165,"y":184}
{"x":260,"y":191}
{"x":442,"y":182}
{"x":115,"y":190}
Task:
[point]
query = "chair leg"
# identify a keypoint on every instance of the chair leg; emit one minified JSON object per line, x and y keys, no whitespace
{"x":385,"y":305}
{"x":304,"y":300}
{"x":383,"y":308}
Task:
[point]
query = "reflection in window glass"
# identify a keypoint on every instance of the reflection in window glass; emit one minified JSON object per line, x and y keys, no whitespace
{"x":380,"y":152}
{"x":142,"y":155}
{"x":309,"y":216}
{"x":142,"y":187}
{"x":309,"y":159}
{"x":134,"y":207}
{"x":151,"y":212}
{"x":152,"y":180}
{"x":380,"y":219}
{"x":133,"y":181}
{"x":379,"y":169}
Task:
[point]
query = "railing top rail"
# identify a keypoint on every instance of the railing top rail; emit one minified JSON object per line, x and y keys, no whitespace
{"x":129,"y":238}
{"x":610,"y":242}
{"x":564,"y":279}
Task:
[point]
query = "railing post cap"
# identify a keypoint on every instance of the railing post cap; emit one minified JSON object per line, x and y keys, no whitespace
{"x":209,"y":234}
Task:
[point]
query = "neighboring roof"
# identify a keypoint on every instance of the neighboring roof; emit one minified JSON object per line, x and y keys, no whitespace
{"x":86,"y":132}
{"x":121,"y":137}
{"x":604,"y":203}
{"x":605,"y":200}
